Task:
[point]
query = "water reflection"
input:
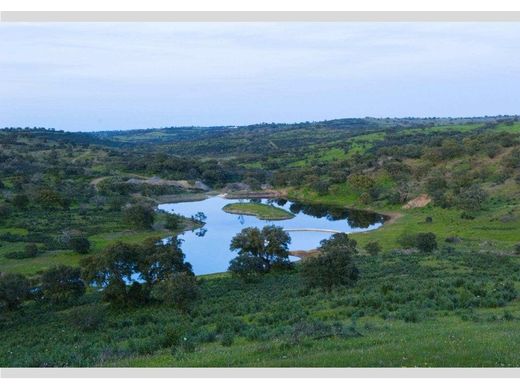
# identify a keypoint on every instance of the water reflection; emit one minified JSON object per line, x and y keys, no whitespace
{"x":207,"y":248}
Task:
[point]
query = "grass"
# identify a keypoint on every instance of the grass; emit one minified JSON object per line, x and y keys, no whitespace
{"x":259,"y":210}
{"x":496,"y":228}
{"x":435,"y":310}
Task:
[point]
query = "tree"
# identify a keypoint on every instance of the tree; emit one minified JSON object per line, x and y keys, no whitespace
{"x":62,"y":284}
{"x":269,"y":246}
{"x":199,"y":217}
{"x":173,"y":221}
{"x":128,"y":272}
{"x":426,"y":242}
{"x":112,"y":269}
{"x":339,"y":241}
{"x":335,"y":265}
{"x":80,"y":244}
{"x":179,"y":290}
{"x":373,"y":248}
{"x":160,"y":260}
{"x":139,"y":216}
{"x":14,"y":289}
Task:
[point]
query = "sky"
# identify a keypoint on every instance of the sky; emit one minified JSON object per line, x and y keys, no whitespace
{"x":108,"y":76}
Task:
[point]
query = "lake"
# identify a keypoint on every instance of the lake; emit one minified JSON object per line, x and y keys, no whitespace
{"x":207,"y":248}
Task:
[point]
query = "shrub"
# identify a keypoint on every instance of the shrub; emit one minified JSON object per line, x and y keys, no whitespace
{"x":14,"y":289}
{"x":172,"y":336}
{"x":62,"y":284}
{"x":20,"y":201}
{"x":373,"y":248}
{"x":407,"y":240}
{"x":426,"y":242}
{"x":227,"y":339}
{"x":517,"y":249}
{"x":30,"y":250}
{"x":80,"y":245}
{"x":87,"y":318}
{"x":5,"y":211}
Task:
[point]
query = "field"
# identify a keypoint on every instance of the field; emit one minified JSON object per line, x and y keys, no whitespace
{"x":449,"y":309}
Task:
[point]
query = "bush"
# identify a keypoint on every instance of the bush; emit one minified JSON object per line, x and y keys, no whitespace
{"x":80,"y":245}
{"x":407,"y":240}
{"x":517,"y":249}
{"x":14,"y":289}
{"x":31,"y":250}
{"x":426,"y":242}
{"x":5,"y":211}
{"x":87,"y":318}
{"x":180,"y":290}
{"x":62,"y":283}
{"x":20,"y":201}
{"x":373,"y":248}
{"x":227,"y":339}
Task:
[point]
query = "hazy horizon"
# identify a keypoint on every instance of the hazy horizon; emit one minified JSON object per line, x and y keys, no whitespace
{"x":95,"y":76}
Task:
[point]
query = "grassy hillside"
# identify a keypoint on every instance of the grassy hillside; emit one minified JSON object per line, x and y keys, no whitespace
{"x":456,"y":306}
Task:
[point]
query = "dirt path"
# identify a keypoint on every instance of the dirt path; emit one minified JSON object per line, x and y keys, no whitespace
{"x":98,"y":180}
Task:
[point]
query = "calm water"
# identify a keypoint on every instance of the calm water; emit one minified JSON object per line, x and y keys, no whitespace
{"x":207,"y":249}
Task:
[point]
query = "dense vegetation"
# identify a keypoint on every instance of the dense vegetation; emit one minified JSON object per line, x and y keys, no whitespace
{"x":85,"y":280}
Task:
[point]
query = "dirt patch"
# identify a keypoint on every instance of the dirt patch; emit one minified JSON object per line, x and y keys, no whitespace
{"x":255,"y":194}
{"x":421,"y":201}
{"x":304,"y":254}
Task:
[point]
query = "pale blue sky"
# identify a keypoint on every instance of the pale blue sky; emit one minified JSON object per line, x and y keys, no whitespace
{"x":95,"y":76}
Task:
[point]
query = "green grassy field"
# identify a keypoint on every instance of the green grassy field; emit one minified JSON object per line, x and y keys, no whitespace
{"x":434,"y":310}
{"x":262,"y":211}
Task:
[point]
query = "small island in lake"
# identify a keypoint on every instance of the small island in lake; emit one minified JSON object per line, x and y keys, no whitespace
{"x":259,"y":210}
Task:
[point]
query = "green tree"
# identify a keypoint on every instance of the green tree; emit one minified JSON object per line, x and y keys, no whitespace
{"x":335,"y":265}
{"x":112,"y":269}
{"x":270,"y":245}
{"x":14,"y":289}
{"x":179,"y":290}
{"x":160,"y":260}
{"x":173,"y":221}
{"x":139,"y":216}
{"x":62,"y":284}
